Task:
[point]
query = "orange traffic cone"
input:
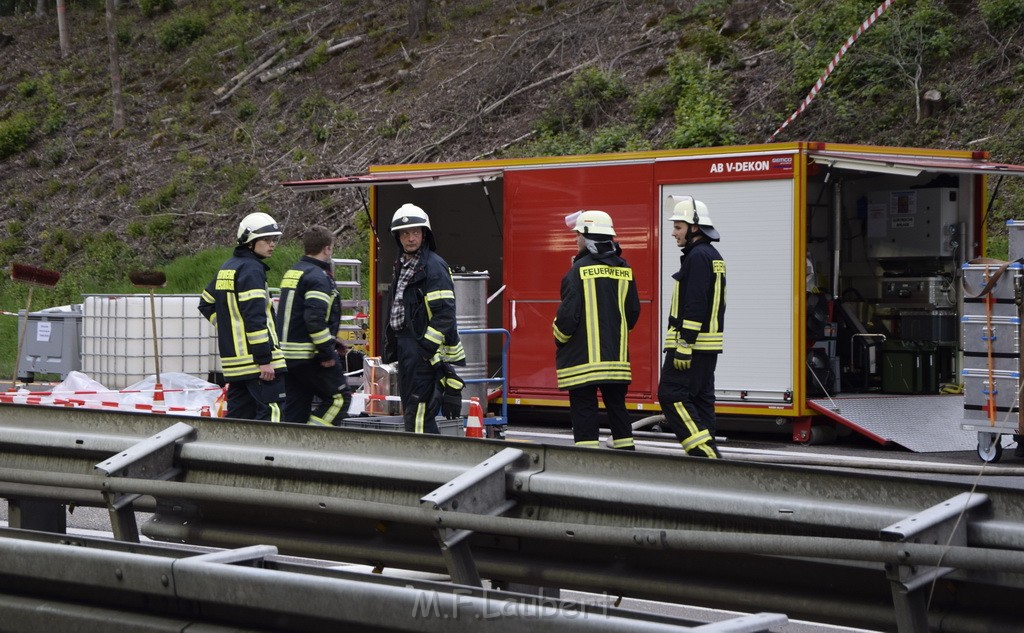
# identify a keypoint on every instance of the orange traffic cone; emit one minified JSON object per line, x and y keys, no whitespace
{"x":475,"y":421}
{"x":221,"y":403}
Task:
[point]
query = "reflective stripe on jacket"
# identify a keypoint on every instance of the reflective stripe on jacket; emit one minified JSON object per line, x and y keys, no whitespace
{"x":697,"y":312}
{"x":599,"y":305}
{"x":237,"y":302}
{"x":309,"y":311}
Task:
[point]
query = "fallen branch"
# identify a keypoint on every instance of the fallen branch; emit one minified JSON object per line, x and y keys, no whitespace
{"x":398,"y":76}
{"x":615,"y":60}
{"x":349,"y":43}
{"x":596,"y":6}
{"x":286,"y":67}
{"x":505,"y":145}
{"x":432,"y":147}
{"x":537,"y":84}
{"x":245,"y":78}
{"x":268,"y":54}
{"x":265,"y":35}
{"x":297,"y":62}
{"x":464,"y":71}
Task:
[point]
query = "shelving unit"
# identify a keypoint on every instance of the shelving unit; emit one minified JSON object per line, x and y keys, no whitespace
{"x":354,"y":312}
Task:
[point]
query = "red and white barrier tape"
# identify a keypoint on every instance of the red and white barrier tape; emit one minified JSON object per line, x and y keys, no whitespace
{"x":49,"y":398}
{"x":865,"y":25}
{"x":106,"y":391}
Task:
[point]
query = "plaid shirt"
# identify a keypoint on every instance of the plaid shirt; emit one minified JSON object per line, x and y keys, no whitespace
{"x":404,"y":276}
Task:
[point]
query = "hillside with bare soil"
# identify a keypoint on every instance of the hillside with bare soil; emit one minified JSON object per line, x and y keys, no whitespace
{"x":225,"y":99}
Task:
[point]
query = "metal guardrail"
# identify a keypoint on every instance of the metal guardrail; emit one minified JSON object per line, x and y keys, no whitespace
{"x":101,"y":586}
{"x":815,"y":544}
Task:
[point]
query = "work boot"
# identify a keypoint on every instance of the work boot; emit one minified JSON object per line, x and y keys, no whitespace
{"x":707,"y":450}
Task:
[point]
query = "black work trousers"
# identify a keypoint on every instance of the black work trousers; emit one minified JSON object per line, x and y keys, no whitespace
{"x":583,"y":412}
{"x":306,"y":380}
{"x":687,"y":399}
{"x":256,"y":399}
{"x":418,"y":384}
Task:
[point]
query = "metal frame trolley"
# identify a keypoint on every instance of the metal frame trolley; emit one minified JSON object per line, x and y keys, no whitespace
{"x":991,"y":321}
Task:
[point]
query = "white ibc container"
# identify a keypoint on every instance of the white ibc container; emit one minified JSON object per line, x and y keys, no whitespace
{"x":117,"y":338}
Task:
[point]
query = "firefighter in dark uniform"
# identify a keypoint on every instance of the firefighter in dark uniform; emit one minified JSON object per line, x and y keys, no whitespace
{"x":599,"y":306}
{"x":237,"y":302}
{"x":696,"y":322}
{"x":308,"y":318}
{"x":421,"y":329}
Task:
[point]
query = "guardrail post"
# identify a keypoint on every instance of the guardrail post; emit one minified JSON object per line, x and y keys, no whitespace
{"x":152,"y":458}
{"x":479,"y":490}
{"x":37,"y":514}
{"x":942,"y":524}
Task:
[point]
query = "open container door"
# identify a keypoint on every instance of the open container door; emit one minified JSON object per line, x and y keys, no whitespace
{"x":888,"y":231}
{"x":465,"y":206}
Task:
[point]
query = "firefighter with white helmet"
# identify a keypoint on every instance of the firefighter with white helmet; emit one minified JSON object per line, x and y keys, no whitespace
{"x":599,"y":305}
{"x":421,"y":331}
{"x":237,"y":302}
{"x":696,"y":323}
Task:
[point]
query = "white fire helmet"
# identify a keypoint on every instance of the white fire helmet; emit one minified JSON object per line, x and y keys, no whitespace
{"x":691,"y":211}
{"x":592,"y":223}
{"x":409,"y":216}
{"x":257,"y":225}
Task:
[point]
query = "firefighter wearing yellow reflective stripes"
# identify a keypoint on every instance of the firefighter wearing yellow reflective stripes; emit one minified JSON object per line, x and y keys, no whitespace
{"x":308,"y":319}
{"x":599,"y":306}
{"x":237,"y":302}
{"x":696,"y":322}
{"x":421,"y":331}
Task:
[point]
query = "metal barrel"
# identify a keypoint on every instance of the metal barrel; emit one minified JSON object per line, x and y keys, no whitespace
{"x":471,"y":314}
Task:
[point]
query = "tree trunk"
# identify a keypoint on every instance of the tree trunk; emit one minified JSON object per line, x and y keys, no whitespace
{"x":115,"y":69}
{"x":62,"y":28}
{"x":417,"y":10}
{"x":40,"y":8}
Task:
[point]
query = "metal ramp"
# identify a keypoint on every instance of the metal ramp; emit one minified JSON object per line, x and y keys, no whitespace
{"x":922,"y":424}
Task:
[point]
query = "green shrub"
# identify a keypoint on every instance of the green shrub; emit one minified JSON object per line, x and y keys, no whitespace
{"x":238,"y":178}
{"x":1002,"y":15}
{"x":651,"y":103}
{"x":313,"y":105}
{"x":618,"y":138}
{"x":584,"y":101}
{"x":246,"y":110}
{"x":181,"y":31}
{"x":393,"y":126}
{"x":151,"y":7}
{"x":317,"y":58}
{"x":15,"y":134}
{"x":710,"y":43}
{"x":703,"y":114}
{"x":124,"y":36}
{"x":28,"y":88}
{"x":160,"y":200}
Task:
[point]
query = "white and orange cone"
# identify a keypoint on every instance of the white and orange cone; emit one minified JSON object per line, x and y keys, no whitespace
{"x":475,"y":420}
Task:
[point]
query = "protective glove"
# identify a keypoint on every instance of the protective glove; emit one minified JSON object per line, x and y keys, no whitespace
{"x":451,"y":392}
{"x":682,"y":357}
